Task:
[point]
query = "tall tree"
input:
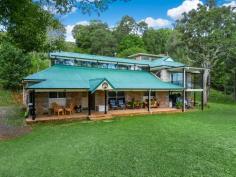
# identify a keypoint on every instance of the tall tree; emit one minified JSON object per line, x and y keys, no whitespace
{"x":211,"y":3}
{"x":209,"y":37}
{"x":155,"y":40}
{"x":127,"y":26}
{"x":26,"y":23}
{"x":95,"y":38}
{"x":124,"y":27}
{"x":14,"y":65}
{"x":176,"y":48}
{"x":130,"y":44}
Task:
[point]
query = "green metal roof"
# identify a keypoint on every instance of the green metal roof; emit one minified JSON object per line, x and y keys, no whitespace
{"x":74,"y":77}
{"x":155,"y":63}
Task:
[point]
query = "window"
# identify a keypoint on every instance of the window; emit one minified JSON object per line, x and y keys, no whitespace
{"x":116,"y":96}
{"x":145,"y":58}
{"x":112,"y":94}
{"x":78,"y":63}
{"x":57,"y":94}
{"x":122,"y":67}
{"x":111,"y":66}
{"x":58,"y":61}
{"x":177,"y":78}
{"x":68,"y":62}
{"x":100,"y":64}
{"x":153,"y":94}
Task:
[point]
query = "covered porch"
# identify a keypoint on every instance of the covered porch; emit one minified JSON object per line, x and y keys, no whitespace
{"x":98,"y":105}
{"x":100,"y":116}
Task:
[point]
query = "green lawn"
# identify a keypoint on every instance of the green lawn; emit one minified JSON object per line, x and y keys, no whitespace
{"x":190,"y":144}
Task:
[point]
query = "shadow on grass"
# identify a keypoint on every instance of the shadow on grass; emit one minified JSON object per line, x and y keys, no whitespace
{"x":12,"y":123}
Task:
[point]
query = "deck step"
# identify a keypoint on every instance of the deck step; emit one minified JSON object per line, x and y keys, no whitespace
{"x":100,"y":117}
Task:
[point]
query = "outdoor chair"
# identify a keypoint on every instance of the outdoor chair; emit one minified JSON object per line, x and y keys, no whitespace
{"x":153,"y":104}
{"x":121,"y":104}
{"x":113,"y":104}
{"x":130,"y":105}
{"x":69,"y":109}
{"x":138,"y":105}
{"x":57,"y":109}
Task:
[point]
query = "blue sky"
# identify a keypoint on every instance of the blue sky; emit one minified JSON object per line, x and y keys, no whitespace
{"x":156,"y":13}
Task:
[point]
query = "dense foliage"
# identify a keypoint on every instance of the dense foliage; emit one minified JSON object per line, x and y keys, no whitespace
{"x":29,"y":28}
{"x":14,"y":65}
{"x":209,"y":36}
{"x":204,"y":37}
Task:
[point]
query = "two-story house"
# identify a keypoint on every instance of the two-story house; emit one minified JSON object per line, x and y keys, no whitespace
{"x":91,"y":84}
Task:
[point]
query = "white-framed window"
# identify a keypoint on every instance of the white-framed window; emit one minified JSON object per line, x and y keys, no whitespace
{"x":57,"y":94}
{"x":57,"y":97}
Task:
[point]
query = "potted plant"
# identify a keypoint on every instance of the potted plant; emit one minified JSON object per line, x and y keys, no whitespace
{"x":179,"y":105}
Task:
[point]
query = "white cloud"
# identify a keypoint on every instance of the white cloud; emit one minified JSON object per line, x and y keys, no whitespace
{"x":157,"y":23}
{"x":232,"y":4}
{"x":186,"y":6}
{"x":69,"y":29}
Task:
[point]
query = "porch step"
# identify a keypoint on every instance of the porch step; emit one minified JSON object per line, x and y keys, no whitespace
{"x":97,"y":117}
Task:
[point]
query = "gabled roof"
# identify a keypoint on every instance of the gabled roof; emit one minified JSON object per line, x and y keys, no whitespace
{"x":163,"y":61}
{"x":74,"y":77}
{"x":95,"y":83}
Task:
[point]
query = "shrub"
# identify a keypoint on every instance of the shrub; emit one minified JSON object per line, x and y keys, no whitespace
{"x":14,"y":65}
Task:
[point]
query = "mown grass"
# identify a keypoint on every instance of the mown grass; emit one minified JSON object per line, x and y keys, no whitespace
{"x":190,"y":144}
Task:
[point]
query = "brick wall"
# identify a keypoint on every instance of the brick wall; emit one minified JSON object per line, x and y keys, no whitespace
{"x":41,"y":103}
{"x":163,"y":98}
{"x":137,"y":96}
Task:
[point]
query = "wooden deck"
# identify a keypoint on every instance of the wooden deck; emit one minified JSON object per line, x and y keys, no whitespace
{"x":95,"y":116}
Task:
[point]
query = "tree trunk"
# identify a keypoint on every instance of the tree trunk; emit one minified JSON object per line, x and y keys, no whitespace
{"x":206,"y":86}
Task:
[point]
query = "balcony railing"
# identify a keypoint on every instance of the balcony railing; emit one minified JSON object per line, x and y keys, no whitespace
{"x":189,"y":85}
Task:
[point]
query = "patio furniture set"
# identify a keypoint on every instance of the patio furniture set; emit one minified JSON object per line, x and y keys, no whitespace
{"x":120,"y":104}
{"x":60,"y":110}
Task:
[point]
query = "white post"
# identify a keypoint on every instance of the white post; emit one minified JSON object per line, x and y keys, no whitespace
{"x":184,"y":87}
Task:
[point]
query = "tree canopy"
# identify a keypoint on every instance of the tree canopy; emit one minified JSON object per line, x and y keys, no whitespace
{"x":209,"y":37}
{"x":14,"y":66}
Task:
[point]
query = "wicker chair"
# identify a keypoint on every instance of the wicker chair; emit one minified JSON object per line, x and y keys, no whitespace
{"x":70,"y":108}
{"x":57,"y":109}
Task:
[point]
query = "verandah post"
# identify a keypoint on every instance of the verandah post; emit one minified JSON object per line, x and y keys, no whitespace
{"x":89,"y":103}
{"x":149,"y":95}
{"x":183,"y":93}
{"x":105,"y":92}
{"x":183,"y":101}
{"x":33,"y":105}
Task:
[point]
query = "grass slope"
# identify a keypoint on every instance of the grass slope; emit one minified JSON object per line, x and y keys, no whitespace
{"x":190,"y":144}
{"x":6,"y":97}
